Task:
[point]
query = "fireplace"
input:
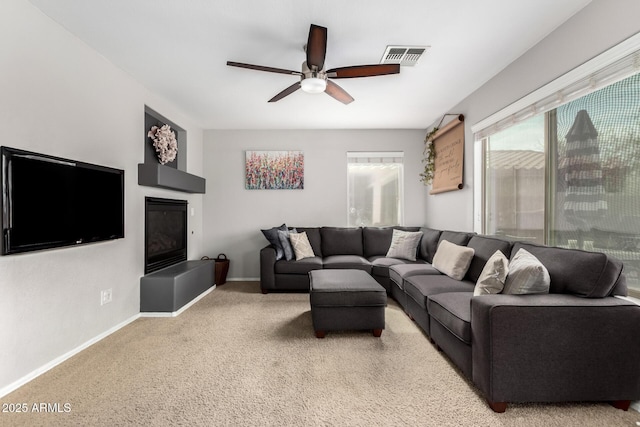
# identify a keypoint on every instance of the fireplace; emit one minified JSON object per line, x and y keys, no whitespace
{"x":165,"y":237}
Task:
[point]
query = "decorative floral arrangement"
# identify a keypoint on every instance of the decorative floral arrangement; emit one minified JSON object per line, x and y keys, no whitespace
{"x":164,"y":141}
{"x":426,"y":177}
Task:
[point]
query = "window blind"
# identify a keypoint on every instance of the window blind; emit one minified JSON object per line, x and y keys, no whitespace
{"x":614,"y":65}
{"x":375,"y":157}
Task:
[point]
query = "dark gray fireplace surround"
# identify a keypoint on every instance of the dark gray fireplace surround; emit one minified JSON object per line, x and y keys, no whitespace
{"x":173,"y":283}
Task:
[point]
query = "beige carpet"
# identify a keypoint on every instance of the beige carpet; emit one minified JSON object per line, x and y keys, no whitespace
{"x":240,"y":358}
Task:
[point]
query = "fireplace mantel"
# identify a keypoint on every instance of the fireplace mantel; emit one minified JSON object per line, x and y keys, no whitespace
{"x":157,"y":175}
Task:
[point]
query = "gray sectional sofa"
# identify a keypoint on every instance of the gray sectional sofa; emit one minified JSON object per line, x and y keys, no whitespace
{"x":579,"y":342}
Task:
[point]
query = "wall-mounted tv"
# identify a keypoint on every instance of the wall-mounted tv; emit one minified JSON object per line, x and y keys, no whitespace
{"x":50,"y":202}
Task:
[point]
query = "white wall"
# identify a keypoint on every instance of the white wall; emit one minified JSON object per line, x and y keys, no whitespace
{"x":234,"y":216}
{"x":60,"y":97}
{"x":598,"y":27}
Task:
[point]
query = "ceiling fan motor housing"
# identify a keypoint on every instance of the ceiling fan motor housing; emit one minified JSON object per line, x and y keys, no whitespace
{"x":313,"y":81}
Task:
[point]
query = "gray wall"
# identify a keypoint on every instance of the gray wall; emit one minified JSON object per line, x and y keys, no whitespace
{"x":598,"y":27}
{"x":60,"y":97}
{"x":234,"y":216}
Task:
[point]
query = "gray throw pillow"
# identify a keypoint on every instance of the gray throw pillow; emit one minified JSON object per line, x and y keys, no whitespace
{"x":272,"y":236}
{"x":493,"y":276}
{"x":283,"y":235}
{"x":526,"y":275}
{"x":404,"y":244}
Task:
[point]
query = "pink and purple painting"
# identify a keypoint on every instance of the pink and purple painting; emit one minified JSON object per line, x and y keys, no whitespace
{"x":274,"y":170}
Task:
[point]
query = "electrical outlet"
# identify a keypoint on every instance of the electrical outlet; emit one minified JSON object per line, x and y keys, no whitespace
{"x":106,"y":296}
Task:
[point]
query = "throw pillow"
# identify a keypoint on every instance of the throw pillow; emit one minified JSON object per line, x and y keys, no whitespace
{"x":493,"y":276}
{"x":526,"y":275}
{"x":283,"y":235}
{"x":404,"y":244}
{"x":272,"y":236}
{"x":452,"y":260}
{"x":301,"y":245}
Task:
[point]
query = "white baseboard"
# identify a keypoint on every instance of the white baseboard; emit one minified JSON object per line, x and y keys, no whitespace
{"x":58,"y":360}
{"x":177,"y":313}
{"x":635,"y":405}
{"x":244,"y":279}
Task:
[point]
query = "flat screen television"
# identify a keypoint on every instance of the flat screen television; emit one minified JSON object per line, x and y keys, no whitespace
{"x":50,"y":202}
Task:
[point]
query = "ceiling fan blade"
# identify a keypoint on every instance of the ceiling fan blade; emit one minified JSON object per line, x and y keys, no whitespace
{"x":316,"y":47}
{"x":288,"y":91}
{"x":363,"y":71}
{"x":263,"y":68}
{"x":338,"y":93}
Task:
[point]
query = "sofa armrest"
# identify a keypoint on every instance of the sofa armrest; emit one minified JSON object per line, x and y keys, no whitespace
{"x":267,"y":268}
{"x":555,"y":347}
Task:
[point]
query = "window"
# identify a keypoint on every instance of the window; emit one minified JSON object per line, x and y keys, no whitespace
{"x":375,"y":189}
{"x":570,"y":175}
{"x":515,"y":181}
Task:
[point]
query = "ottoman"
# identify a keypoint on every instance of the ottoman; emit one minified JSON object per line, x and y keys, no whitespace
{"x":346,"y":299}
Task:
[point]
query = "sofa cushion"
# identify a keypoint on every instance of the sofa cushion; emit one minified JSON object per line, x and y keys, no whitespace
{"x":453,"y":311}
{"x":301,"y":246}
{"x":376,"y":240}
{"x":620,"y":288}
{"x":303,"y":266}
{"x":341,"y":241}
{"x":399,"y":272}
{"x":493,"y":275}
{"x":428,"y":243}
{"x":271,"y":235}
{"x":313,"y":234}
{"x":526,"y":275}
{"x":381,"y":264}
{"x":421,"y":287}
{"x":458,"y":237}
{"x":404,"y":244}
{"x":484,"y":247}
{"x":572,"y":271}
{"x":347,"y":261}
{"x":452,"y":260}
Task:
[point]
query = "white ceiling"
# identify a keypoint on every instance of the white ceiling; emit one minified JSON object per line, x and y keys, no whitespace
{"x":179,"y":48}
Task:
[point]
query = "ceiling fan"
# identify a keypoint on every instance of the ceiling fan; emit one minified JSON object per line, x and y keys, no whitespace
{"x":314,"y":78}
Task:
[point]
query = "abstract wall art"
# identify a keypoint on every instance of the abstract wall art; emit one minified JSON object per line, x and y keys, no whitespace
{"x":274,"y":170}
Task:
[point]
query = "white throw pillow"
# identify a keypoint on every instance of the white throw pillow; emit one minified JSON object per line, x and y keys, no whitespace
{"x":301,"y":245}
{"x":452,"y":260}
{"x":493,"y":276}
{"x":526,"y":275}
{"x":404,"y":244}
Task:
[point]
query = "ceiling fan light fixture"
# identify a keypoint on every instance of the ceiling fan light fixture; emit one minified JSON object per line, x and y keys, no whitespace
{"x":313,"y":84}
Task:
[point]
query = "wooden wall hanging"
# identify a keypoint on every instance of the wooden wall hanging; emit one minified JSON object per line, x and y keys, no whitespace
{"x":448,"y":144}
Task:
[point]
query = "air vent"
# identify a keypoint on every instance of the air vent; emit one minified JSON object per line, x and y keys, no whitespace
{"x":407,"y":56}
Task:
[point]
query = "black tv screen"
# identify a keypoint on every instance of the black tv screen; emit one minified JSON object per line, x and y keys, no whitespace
{"x":50,"y":202}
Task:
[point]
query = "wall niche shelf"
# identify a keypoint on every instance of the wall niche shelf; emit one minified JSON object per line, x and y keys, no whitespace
{"x":172,"y":176}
